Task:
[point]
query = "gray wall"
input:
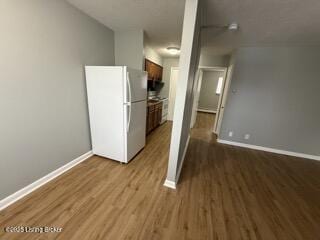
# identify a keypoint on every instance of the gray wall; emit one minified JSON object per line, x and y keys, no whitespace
{"x":205,"y":60}
{"x":168,"y":63}
{"x":44,"y":121}
{"x":152,"y":55}
{"x":129,"y":49}
{"x":208,"y":60}
{"x":208,"y":99}
{"x":274,"y":97}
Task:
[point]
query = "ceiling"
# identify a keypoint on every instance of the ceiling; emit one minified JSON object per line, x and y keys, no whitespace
{"x":262,"y":22}
{"x":160,"y":19}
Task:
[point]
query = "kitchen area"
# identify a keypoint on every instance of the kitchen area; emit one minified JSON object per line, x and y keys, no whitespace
{"x":125,"y":105}
{"x":157,"y":107}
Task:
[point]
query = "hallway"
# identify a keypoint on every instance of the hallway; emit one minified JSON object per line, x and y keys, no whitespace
{"x":224,"y":192}
{"x":203,"y":127}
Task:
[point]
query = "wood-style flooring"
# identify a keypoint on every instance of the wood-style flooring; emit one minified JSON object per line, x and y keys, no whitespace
{"x":224,"y":192}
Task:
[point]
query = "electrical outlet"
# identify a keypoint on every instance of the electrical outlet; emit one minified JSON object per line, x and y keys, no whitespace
{"x":247,"y":136}
{"x":230,"y":134}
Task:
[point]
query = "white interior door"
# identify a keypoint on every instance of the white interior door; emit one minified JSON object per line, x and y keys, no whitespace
{"x":223,"y":100}
{"x":172,"y":92}
{"x":136,"y":128}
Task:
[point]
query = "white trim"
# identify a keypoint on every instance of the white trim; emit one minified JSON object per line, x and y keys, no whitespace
{"x":273,"y":150}
{"x":38,"y":183}
{"x":222,"y":99}
{"x":206,"y":110}
{"x":170,"y":184}
{"x":173,"y":184}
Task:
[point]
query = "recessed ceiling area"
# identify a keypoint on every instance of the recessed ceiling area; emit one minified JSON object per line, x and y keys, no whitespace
{"x":160,"y":19}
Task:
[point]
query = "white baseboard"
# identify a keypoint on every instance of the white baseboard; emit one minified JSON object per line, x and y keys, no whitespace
{"x":170,"y":184}
{"x":173,"y":184}
{"x":206,"y":110}
{"x":35,"y":185}
{"x":273,"y":150}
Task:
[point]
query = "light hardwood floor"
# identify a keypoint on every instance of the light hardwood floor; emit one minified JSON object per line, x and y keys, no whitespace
{"x":224,"y":192}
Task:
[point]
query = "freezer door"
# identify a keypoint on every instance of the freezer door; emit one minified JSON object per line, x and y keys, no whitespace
{"x":135,"y":128}
{"x":136,"y":85}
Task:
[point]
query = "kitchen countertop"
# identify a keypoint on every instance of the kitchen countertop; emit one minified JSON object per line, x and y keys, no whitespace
{"x":151,"y":102}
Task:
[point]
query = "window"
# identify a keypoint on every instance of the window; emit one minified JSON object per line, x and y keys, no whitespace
{"x":219,"y":86}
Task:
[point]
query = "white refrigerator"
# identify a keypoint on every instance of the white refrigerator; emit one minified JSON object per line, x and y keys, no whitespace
{"x":117,"y":102}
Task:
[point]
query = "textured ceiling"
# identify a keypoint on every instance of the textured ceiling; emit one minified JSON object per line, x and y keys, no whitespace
{"x":262,"y":22}
{"x":160,"y":19}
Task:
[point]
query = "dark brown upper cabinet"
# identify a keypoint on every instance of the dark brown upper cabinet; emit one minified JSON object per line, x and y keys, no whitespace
{"x":154,"y":70}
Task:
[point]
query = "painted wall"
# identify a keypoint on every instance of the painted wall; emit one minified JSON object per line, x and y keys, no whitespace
{"x":188,"y":64}
{"x":209,"y":60}
{"x":152,"y":55}
{"x":129,"y":49}
{"x":208,"y":99}
{"x":168,"y":63}
{"x":206,"y":60}
{"x":274,"y":97}
{"x":44,"y":117}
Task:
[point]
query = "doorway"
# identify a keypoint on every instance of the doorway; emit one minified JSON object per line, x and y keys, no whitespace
{"x":172,"y":91}
{"x":209,"y":95}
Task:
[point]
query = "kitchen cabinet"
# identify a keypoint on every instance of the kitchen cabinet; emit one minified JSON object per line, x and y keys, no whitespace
{"x":154,"y":115}
{"x":154,"y":70}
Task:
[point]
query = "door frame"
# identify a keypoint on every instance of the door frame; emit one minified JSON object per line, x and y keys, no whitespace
{"x":223,"y":99}
{"x":218,"y":119}
{"x":170,"y":90}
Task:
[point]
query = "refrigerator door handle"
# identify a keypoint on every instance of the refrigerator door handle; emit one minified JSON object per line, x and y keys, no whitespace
{"x":129,"y":103}
{"x":129,"y":87}
{"x":129,"y":120}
